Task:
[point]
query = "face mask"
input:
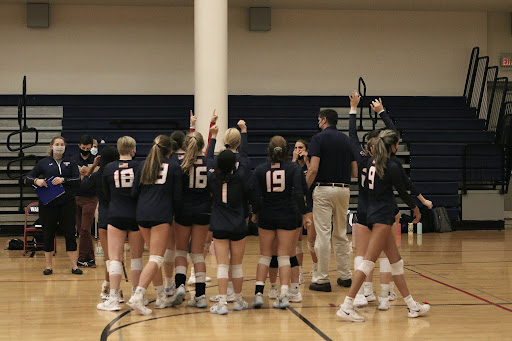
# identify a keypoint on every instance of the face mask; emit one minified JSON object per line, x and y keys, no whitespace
{"x":301,"y":157}
{"x":59,"y":150}
{"x":94,"y":151}
{"x":85,"y":152}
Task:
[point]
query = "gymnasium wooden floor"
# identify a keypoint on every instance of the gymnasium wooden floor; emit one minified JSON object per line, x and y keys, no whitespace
{"x":465,"y":276}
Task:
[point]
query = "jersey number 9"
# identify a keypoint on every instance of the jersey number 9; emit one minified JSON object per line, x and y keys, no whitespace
{"x":371,"y":177}
{"x":276,"y":181}
{"x":198,"y":178}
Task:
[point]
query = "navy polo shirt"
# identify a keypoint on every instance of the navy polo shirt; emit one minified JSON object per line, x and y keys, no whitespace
{"x":335,"y":152}
{"x":81,"y":162}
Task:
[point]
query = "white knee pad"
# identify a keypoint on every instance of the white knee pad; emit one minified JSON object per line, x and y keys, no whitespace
{"x":107,"y":263}
{"x":136,"y":264}
{"x":265,"y":260}
{"x":237,"y":271}
{"x":116,"y":268}
{"x":397,"y":268}
{"x":283,"y":261}
{"x":299,"y":249}
{"x":384,"y":265}
{"x":169,"y":256}
{"x":159,"y":260}
{"x":222,"y":271}
{"x":311,"y":246}
{"x":197,"y":258}
{"x":357,"y":262}
{"x":181,"y":253}
{"x":200,"y":277}
{"x":366,"y":266}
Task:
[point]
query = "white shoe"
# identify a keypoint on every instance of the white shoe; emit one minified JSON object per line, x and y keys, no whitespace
{"x":109,"y":305}
{"x":105,"y":291}
{"x":121,"y":297}
{"x":258,"y":301}
{"x":137,"y":303}
{"x":273,"y":293}
{"x":179,"y":296}
{"x":371,"y":297}
{"x":301,"y":276}
{"x":295,"y":298}
{"x":220,"y":309}
{"x":314,"y":276}
{"x":349,"y":314}
{"x":162,"y":301}
{"x":360,"y":301}
{"x":198,"y":302}
{"x":383,"y":303}
{"x":192,"y":280}
{"x":169,"y":291}
{"x":240,"y":305}
{"x":392,"y":295}
{"x":230,"y":298}
{"x":281,"y":303}
{"x":420,"y":310}
{"x":208,"y":279}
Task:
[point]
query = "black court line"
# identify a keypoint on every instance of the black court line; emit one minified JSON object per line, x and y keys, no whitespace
{"x":310,"y":325}
{"x":456,"y":263}
{"x":106,"y":331}
{"x":430,"y":272}
{"x":504,"y":300}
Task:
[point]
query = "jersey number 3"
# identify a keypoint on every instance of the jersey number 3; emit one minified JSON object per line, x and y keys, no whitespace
{"x":276,"y":181}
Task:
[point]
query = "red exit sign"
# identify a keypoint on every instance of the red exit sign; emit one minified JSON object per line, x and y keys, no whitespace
{"x":506,"y":60}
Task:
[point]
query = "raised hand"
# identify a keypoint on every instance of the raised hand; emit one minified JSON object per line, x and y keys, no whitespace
{"x":214,"y":130}
{"x":243,"y":126}
{"x":193,"y":119}
{"x":354,"y":100}
{"x":377,"y":105}
{"x":214,"y":117}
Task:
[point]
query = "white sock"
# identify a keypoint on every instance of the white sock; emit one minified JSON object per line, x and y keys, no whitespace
{"x":295,"y":288}
{"x":114,"y":293}
{"x":273,"y":285}
{"x":238,"y":297}
{"x":411,"y":303}
{"x":284,"y":290}
{"x":392,"y":286}
{"x":368,"y":288}
{"x":223,"y":299}
{"x":231,"y":291}
{"x":349,"y":303}
{"x":106,"y":284}
{"x":384,"y":290}
{"x":140,"y":290}
{"x":159,"y":289}
{"x":300,"y":269}
{"x":168,"y":281}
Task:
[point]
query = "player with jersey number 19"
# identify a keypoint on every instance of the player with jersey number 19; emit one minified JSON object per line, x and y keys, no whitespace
{"x":118,"y":179}
{"x":157,"y":186}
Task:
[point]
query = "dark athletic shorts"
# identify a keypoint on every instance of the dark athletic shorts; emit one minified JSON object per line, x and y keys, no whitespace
{"x":124,"y":224}
{"x":150,"y":224}
{"x":234,"y":237}
{"x":196,"y":219}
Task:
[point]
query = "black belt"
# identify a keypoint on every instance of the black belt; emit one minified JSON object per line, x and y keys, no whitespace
{"x":332,"y":184}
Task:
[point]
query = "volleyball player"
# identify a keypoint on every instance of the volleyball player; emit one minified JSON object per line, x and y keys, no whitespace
{"x":227,"y":175}
{"x":157,"y":186}
{"x":279,"y":198}
{"x":382,"y":175}
{"x":94,"y":181}
{"x":118,"y":180}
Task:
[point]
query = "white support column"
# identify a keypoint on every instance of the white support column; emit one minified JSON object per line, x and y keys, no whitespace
{"x":211,"y":65}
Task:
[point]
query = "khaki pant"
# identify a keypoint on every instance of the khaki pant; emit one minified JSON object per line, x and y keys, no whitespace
{"x":330,"y":204}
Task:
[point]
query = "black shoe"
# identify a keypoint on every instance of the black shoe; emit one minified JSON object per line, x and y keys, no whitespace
{"x":344,"y":282}
{"x":82,"y":263}
{"x":76,"y":271}
{"x":47,"y":272}
{"x":325,"y":287}
{"x":91,"y":264}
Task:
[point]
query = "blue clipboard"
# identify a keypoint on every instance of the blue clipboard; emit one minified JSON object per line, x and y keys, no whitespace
{"x":47,"y":194}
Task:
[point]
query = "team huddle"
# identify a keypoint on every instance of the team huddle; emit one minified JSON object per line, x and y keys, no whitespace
{"x":180,"y":199}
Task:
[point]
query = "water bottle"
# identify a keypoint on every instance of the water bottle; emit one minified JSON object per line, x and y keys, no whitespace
{"x":419,"y":228}
{"x":410,"y":228}
{"x":99,"y":249}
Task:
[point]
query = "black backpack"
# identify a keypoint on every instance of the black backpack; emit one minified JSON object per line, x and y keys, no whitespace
{"x":15,"y":244}
{"x":441,"y":220}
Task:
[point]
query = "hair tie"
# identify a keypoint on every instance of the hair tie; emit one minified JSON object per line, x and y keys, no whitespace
{"x":278,"y":149}
{"x":227,"y":146}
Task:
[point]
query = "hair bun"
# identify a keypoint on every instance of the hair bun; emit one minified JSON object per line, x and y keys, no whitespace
{"x":278,"y":149}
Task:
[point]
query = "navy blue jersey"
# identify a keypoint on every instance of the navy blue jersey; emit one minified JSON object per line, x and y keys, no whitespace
{"x":362,"y":171}
{"x":81,"y":162}
{"x":64,"y":168}
{"x":157,"y":202}
{"x":229,"y":209}
{"x":381,"y":205}
{"x":308,"y":192}
{"x":196,"y":198}
{"x":278,"y":190}
{"x":118,"y":178}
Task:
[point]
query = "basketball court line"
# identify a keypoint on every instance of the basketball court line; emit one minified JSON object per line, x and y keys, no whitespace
{"x":309,"y":324}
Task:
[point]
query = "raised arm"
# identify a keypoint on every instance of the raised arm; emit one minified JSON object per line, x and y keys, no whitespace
{"x":210,"y":154}
{"x":244,"y":144}
{"x":379,"y":109}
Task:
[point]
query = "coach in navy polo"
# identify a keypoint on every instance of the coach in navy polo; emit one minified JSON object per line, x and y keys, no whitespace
{"x":331,"y":167}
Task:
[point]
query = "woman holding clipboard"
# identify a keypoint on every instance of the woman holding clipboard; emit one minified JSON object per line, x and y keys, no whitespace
{"x":61,"y":210}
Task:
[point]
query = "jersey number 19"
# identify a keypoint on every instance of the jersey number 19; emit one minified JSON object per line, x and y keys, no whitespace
{"x":276,"y":181}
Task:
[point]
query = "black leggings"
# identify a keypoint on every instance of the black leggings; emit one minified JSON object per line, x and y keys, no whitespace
{"x":62,"y":215}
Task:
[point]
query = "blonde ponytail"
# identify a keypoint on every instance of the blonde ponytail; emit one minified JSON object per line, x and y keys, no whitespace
{"x":193,"y":144}
{"x":381,"y":147}
{"x":162,"y":146}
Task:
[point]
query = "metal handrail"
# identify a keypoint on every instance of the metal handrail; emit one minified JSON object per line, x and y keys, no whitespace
{"x":470,"y":77}
{"x":362,"y":83}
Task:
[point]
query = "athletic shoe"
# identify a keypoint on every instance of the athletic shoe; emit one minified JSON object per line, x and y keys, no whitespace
{"x":273,"y":293}
{"x":137,"y":303}
{"x":76,"y":271}
{"x":109,"y":305}
{"x":420,"y":310}
{"x":258,"y":301}
{"x":179,"y":296}
{"x":230,"y":298}
{"x":281,"y":303}
{"x":325,"y":287}
{"x":192,"y":279}
{"x":198,"y":302}
{"x":162,"y":301}
{"x":360,"y":301}
{"x":121,"y":297}
{"x":371,"y":297}
{"x":349,"y":314}
{"x":301,"y":276}
{"x":295,"y":298}
{"x":208,"y":279}
{"x":82,"y":263}
{"x":169,"y":291}
{"x":392,"y":295}
{"x":314,"y":276}
{"x":383,"y":303}
{"x":47,"y":272}
{"x":221,"y":309}
{"x":91,"y":263}
{"x":105,"y":290}
{"x":344,"y":282}
{"x":240,"y":305}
